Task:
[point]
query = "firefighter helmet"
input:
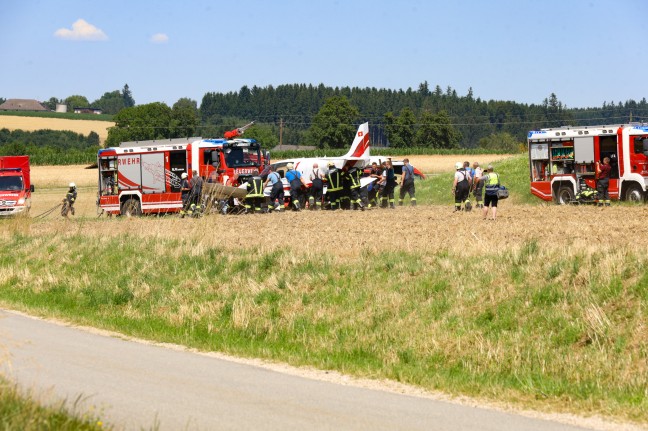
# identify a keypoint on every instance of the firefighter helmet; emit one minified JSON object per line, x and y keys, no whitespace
{"x":458,"y":165}
{"x":72,"y":186}
{"x":290,"y":166}
{"x":184,"y":175}
{"x":331,"y":164}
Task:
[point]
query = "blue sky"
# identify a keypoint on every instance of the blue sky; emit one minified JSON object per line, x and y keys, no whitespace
{"x":585,"y":51}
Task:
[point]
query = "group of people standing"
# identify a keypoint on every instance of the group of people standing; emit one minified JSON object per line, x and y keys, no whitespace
{"x":344,"y":188}
{"x":472,"y":180}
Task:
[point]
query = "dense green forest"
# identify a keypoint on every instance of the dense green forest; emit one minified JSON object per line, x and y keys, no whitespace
{"x":293,"y":108}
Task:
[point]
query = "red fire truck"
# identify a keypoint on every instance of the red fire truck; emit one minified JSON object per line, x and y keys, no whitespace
{"x":563,"y":161}
{"x":144,"y":176}
{"x":15,"y":185}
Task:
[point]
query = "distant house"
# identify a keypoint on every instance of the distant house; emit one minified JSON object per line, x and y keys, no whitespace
{"x":22,"y":105}
{"x":88,"y":110}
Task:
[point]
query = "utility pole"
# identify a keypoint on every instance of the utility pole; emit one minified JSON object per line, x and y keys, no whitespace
{"x":281,"y":124}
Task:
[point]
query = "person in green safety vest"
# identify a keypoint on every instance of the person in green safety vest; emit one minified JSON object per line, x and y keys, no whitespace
{"x":492,"y":184}
{"x":334,"y":185}
{"x":255,"y":200}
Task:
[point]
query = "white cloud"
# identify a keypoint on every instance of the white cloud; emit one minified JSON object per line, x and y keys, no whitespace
{"x":81,"y":30}
{"x":159,"y":38}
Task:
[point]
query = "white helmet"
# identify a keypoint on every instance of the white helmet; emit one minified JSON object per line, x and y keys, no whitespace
{"x":290,"y":166}
{"x":458,"y":165}
{"x":184,"y":175}
{"x":72,"y":186}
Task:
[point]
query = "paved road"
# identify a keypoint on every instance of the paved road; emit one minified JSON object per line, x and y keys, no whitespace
{"x":137,"y":384}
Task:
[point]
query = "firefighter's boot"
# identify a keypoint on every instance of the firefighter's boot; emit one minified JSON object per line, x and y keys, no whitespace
{"x":311,"y":202}
{"x":468,"y":206}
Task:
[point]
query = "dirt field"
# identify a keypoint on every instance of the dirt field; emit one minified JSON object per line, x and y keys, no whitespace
{"x":37,"y":123}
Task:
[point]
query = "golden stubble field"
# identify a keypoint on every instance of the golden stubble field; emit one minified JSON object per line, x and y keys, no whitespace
{"x":37,"y":123}
{"x":446,"y":163}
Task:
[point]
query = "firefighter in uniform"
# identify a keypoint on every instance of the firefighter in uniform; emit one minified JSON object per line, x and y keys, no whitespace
{"x":196,"y":185}
{"x":255,"y":200}
{"x":603,"y":181}
{"x":294,"y":178}
{"x":461,"y":187}
{"x":185,"y":190}
{"x":345,"y":194}
{"x":354,"y":188}
{"x":407,"y":184}
{"x":389,"y":181}
{"x":277,"y":191}
{"x":71,"y":196}
{"x":334,"y":180}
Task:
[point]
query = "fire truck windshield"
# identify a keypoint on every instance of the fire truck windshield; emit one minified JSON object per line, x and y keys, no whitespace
{"x":11,"y":183}
{"x":239,"y":157}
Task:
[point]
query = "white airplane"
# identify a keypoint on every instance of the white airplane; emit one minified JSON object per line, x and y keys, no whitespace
{"x":358,"y":157}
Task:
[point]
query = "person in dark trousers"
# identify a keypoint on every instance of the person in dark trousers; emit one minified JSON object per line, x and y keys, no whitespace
{"x":478,"y":186}
{"x":345,"y":194}
{"x":317,"y":188}
{"x":295,"y":180}
{"x":185,"y":190}
{"x":255,"y":200}
{"x":603,"y":171}
{"x":461,"y":187}
{"x":389,"y":181}
{"x":373,"y":188}
{"x":492,"y":183}
{"x":407,"y":184}
{"x":354,"y":175}
{"x":334,"y":185}
{"x":71,"y":196}
{"x":195,"y":198}
{"x":277,"y":191}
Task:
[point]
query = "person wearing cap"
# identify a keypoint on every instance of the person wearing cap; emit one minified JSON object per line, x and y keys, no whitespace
{"x":185,"y":190}
{"x":316,"y":189}
{"x":296,"y":181}
{"x":277,"y":191}
{"x":334,"y":185}
{"x":461,"y":187}
{"x":492,"y":183}
{"x":478,"y":186}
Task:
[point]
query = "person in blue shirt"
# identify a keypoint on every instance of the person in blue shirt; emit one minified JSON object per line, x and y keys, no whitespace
{"x":277,"y":191}
{"x":296,"y":181}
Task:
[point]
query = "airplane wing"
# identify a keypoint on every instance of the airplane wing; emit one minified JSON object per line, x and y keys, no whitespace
{"x":364,"y":181}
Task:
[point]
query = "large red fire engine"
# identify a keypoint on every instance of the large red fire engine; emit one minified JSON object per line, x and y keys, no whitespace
{"x":563,"y":160}
{"x":144,"y":177}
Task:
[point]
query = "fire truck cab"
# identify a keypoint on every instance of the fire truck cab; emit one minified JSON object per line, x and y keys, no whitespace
{"x":563,"y":160}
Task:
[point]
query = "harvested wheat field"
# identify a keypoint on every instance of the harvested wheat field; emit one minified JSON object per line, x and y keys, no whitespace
{"x":446,"y":163}
{"x":38,"y":123}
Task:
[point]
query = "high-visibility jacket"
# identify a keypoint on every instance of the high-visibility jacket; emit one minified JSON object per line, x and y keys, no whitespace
{"x":492,"y":184}
{"x":334,"y":179}
{"x":354,"y":175}
{"x":255,"y":187}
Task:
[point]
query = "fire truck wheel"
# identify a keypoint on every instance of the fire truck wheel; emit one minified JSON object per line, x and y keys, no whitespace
{"x":634,"y":193}
{"x":564,"y":196}
{"x":131,"y":208}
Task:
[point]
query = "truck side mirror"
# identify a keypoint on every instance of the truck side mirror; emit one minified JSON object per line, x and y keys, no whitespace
{"x":31,"y":188}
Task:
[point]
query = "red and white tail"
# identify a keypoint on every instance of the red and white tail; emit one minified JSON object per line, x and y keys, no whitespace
{"x":360,"y":146}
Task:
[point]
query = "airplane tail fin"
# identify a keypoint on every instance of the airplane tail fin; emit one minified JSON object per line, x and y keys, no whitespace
{"x":360,"y":146}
